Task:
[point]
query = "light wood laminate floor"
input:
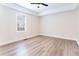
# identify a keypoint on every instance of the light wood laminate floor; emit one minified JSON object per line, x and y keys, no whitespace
{"x":41,"y":46}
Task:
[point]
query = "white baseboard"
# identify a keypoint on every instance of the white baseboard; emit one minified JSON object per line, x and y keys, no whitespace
{"x":8,"y":42}
{"x":60,"y":37}
{"x":78,"y":43}
{"x":63,"y":38}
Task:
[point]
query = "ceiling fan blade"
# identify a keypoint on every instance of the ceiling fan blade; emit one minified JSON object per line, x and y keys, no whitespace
{"x":40,"y":3}
{"x":44,"y":4}
{"x":35,"y":3}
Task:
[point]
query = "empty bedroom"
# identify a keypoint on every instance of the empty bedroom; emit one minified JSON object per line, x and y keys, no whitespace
{"x":39,"y":29}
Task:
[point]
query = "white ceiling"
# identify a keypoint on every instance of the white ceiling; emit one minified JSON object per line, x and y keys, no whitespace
{"x":43,"y":10}
{"x":52,"y":7}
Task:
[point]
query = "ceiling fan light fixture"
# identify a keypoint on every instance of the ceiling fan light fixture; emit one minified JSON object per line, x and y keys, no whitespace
{"x":38,"y":7}
{"x":40,"y":4}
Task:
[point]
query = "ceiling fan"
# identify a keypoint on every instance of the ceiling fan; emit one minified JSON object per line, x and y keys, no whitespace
{"x":38,"y":4}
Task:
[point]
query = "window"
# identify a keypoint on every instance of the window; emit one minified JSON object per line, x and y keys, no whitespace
{"x":21,"y":22}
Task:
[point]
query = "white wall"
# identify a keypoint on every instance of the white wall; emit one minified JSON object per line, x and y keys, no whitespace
{"x":78,"y":25}
{"x":8,"y":31}
{"x":62,"y":25}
